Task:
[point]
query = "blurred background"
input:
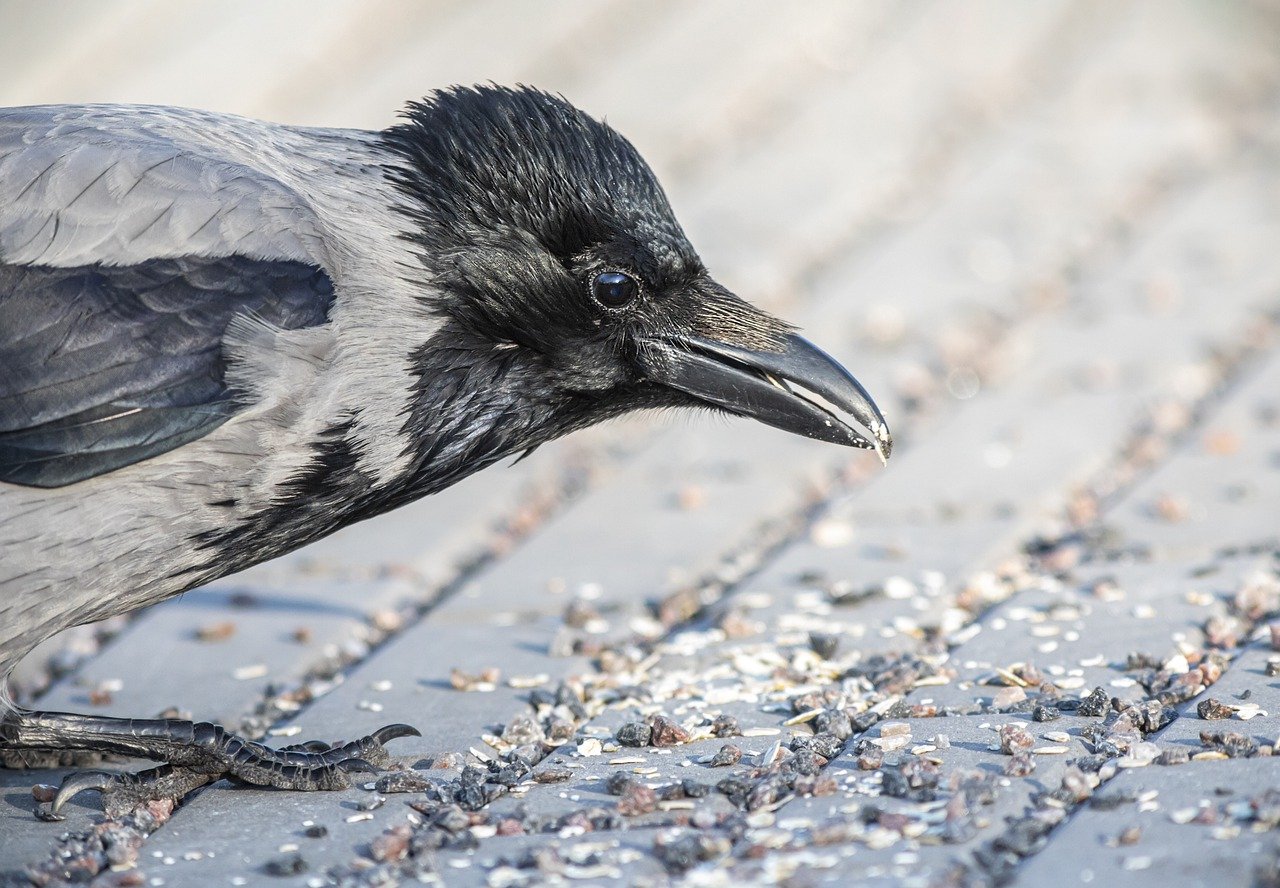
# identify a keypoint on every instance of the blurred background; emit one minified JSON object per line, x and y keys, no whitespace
{"x":784,"y":131}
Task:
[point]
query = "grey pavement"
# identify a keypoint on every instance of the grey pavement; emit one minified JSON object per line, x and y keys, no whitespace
{"x":1042,"y":234}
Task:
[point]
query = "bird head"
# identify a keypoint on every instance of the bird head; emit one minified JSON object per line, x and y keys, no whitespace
{"x":549,"y":246}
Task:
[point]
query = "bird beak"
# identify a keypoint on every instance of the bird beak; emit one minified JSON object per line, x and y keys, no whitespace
{"x":799,"y":388}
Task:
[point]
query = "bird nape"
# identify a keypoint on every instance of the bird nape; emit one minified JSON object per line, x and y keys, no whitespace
{"x":221,"y":339}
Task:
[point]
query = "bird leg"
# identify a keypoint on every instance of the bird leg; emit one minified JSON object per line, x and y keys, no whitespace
{"x":194,"y":753}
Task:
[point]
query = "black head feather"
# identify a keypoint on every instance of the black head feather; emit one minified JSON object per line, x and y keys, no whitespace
{"x":486,"y":164}
{"x":515,"y":199}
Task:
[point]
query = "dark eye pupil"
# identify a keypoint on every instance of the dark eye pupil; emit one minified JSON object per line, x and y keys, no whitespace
{"x":614,"y":289}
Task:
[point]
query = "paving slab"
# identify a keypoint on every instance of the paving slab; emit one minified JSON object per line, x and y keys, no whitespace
{"x":1188,"y":825}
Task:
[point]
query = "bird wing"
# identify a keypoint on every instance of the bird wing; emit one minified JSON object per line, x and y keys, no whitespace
{"x":129,"y":240}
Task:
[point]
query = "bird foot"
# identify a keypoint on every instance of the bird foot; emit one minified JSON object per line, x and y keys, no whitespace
{"x":307,"y":767}
{"x":194,"y":754}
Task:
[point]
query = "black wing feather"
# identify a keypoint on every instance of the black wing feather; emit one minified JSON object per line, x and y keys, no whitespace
{"x":104,"y":366}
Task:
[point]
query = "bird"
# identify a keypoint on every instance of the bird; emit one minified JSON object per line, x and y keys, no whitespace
{"x":222,"y":339}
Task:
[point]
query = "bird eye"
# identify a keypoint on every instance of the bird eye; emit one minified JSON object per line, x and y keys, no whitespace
{"x":613,"y":289}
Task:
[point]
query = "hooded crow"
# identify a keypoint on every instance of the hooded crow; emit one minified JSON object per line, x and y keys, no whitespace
{"x":222,"y":339}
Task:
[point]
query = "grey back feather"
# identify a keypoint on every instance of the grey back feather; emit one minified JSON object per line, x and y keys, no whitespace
{"x":118,"y":186}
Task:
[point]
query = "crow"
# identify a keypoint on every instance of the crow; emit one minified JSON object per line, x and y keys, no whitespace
{"x":222,"y":339}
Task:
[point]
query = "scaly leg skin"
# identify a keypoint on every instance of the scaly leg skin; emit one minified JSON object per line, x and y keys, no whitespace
{"x":195,"y":753}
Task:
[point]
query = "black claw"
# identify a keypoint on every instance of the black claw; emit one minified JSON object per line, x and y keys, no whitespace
{"x":356,"y":766}
{"x":394,"y":732}
{"x":76,"y":783}
{"x":195,"y":754}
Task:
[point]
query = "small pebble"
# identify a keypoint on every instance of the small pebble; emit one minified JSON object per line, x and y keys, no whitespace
{"x":553,"y":775}
{"x":665,"y":732}
{"x":726,"y":726}
{"x":1021,"y":764}
{"x":290,"y":865}
{"x":1211,"y":709}
{"x":824,"y":644}
{"x":870,"y":759}
{"x":447,"y":761}
{"x":1014,"y":738}
{"x":1129,"y":836}
{"x":401,"y":781}
{"x":392,"y":845}
{"x":1008,"y":696}
{"x":216,"y":631}
{"x":484,"y":681}
{"x":727,"y":756}
{"x":637,"y":799}
{"x":634,"y":734}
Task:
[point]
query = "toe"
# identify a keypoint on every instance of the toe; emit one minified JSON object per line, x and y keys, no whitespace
{"x":394,"y":732}
{"x":76,"y":783}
